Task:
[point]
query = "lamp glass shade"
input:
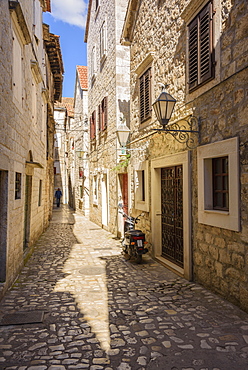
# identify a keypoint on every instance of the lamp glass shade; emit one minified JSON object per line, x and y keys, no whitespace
{"x":80,"y":153}
{"x":163,"y":107}
{"x":123,"y":132}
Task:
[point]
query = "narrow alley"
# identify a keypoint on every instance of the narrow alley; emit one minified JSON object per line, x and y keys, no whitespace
{"x":78,"y":304}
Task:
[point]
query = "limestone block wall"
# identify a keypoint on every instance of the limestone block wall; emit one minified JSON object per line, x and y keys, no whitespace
{"x":110,"y":80}
{"x":23,"y":137}
{"x":81,"y":143}
{"x":219,"y":255}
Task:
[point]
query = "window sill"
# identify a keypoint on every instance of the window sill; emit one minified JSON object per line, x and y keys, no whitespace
{"x":217,"y":212}
{"x":145,"y":123}
{"x":142,"y":205}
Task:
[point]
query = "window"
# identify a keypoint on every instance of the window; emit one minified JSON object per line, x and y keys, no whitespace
{"x":145,"y":95}
{"x":95,"y":190}
{"x":93,"y":62}
{"x":34,"y":101}
{"x":81,"y":191}
{"x":200,"y":48}
{"x":93,"y":125}
{"x":218,"y":193}
{"x":103,"y":114}
{"x":37,"y":19}
{"x":18,"y":185}
{"x":141,"y":186}
{"x":81,"y":172}
{"x":103,"y":41}
{"x":40,"y":193}
{"x":17,"y":69}
{"x":143,"y":197}
{"x":220,"y":183}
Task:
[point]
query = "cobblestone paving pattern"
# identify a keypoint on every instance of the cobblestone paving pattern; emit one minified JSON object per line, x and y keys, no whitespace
{"x":103,"y":312}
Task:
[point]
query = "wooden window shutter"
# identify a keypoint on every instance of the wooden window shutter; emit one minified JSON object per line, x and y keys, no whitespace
{"x":142,"y":111}
{"x":99,"y":118}
{"x":205,"y":43}
{"x":200,"y":48}
{"x":148,"y":93}
{"x":193,"y":53}
{"x":105,"y":102}
{"x":145,"y":95}
{"x":91,"y":128}
{"x":94,"y":124}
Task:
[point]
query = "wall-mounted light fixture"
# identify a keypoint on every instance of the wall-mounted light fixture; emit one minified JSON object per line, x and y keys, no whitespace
{"x":123,"y":133}
{"x":80,"y":154}
{"x":183,"y":130}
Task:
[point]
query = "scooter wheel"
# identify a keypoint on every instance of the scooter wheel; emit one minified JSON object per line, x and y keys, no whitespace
{"x":139,"y":258}
{"x":126,"y":256}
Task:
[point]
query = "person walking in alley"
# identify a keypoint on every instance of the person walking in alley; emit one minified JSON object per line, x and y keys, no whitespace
{"x":58,"y":195}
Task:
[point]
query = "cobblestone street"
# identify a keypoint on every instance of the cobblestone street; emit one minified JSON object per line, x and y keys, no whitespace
{"x":86,"y":307}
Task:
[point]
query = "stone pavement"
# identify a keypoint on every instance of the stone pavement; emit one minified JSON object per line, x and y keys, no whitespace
{"x":87,"y":308}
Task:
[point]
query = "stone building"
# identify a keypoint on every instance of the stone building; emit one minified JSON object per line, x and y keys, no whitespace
{"x":30,"y":79}
{"x":108,"y":107}
{"x":193,"y":193}
{"x":64,"y":118}
{"x":80,"y":135}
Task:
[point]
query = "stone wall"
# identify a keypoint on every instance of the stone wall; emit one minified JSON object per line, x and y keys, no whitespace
{"x":111,"y":80}
{"x":23,"y":119}
{"x":159,"y":40}
{"x":81,"y":143}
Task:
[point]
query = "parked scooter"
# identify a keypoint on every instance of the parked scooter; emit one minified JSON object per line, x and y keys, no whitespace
{"x":133,"y":243}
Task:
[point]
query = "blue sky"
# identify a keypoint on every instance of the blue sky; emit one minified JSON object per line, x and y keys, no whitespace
{"x":67,"y":19}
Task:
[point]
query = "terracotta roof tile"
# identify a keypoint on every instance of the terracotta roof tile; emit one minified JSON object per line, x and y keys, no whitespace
{"x":83,"y":76}
{"x":67,"y":103}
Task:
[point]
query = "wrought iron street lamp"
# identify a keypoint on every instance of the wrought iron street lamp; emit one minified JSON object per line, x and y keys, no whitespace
{"x":183,"y":130}
{"x":163,"y":107}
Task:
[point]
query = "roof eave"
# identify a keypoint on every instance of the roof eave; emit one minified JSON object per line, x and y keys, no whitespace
{"x":129,"y":22}
{"x":87,"y":22}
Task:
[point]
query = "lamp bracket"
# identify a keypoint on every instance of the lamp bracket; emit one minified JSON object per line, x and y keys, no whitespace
{"x":184,"y":131}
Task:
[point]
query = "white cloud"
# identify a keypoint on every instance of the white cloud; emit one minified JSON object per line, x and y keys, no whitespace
{"x":73,"y":12}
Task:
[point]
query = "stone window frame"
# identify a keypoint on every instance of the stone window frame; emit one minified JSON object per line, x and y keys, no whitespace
{"x":229,"y":219}
{"x":190,"y":12}
{"x":140,"y":187}
{"x":93,"y":68}
{"x":103,"y":42}
{"x":145,"y":65}
{"x":17,"y":68}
